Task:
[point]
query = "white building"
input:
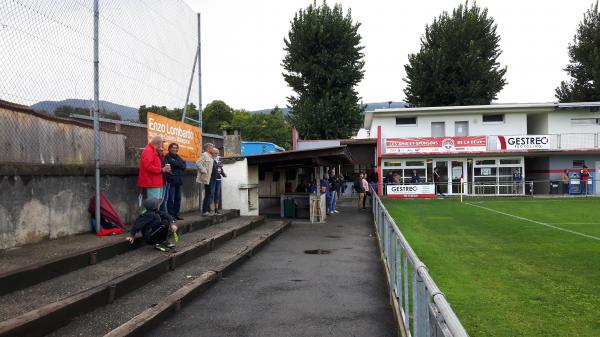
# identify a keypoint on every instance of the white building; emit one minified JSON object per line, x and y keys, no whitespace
{"x":486,"y":145}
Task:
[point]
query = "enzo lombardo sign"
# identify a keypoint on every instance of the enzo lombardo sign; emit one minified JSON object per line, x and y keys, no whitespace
{"x":411,"y":191}
{"x":436,"y":144}
{"x":526,"y":142}
{"x":171,"y":131}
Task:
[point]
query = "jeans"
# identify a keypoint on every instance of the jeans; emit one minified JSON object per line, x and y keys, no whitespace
{"x":333,"y":201}
{"x":174,"y":200}
{"x":217,"y":194}
{"x":165,"y":198}
{"x":207,"y":199}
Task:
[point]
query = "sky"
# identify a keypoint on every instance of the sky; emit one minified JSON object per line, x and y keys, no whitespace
{"x":242,"y":46}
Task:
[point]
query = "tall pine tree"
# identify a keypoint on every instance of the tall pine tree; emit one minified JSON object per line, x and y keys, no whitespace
{"x":323,"y":64}
{"x":584,"y":58}
{"x":458,"y":61}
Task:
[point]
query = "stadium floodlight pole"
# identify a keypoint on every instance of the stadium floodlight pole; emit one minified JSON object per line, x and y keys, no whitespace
{"x":187,"y":97}
{"x":199,"y":55}
{"x":97,"y":113}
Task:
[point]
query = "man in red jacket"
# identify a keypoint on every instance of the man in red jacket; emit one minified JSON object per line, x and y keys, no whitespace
{"x":150,"y":176}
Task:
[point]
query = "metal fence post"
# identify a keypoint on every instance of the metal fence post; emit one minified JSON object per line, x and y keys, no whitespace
{"x":406,"y":308}
{"x":97,"y":112}
{"x":416,"y":302}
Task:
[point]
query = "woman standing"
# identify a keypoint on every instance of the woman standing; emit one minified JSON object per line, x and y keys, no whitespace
{"x":174,"y":180}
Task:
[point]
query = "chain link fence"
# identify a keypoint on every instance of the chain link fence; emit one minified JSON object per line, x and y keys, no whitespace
{"x":146,"y":54}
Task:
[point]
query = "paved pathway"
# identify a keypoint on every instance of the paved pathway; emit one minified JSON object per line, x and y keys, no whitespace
{"x":284,"y":292}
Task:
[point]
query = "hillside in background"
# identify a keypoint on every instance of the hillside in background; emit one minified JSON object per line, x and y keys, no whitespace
{"x":370,"y":107}
{"x":131,"y":114}
{"x":127,"y":113}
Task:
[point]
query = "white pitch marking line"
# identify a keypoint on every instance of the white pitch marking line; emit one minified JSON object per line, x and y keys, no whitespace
{"x":574,"y":223}
{"x":536,"y":222}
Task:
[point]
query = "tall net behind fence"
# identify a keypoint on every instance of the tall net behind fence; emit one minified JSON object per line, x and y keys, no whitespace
{"x":146,"y":53}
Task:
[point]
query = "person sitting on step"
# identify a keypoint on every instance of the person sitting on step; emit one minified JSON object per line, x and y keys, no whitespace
{"x":155,"y":226}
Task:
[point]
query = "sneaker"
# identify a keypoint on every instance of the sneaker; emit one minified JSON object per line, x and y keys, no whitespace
{"x":206,"y":213}
{"x":169,"y":245}
{"x":161,"y":247}
{"x":178,"y":218}
{"x":336,"y":211}
{"x":218,"y":212}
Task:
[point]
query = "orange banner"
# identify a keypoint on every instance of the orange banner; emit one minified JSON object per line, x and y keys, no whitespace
{"x":188,"y":137}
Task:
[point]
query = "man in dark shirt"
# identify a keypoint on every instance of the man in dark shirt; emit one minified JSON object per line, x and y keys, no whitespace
{"x":174,"y":181}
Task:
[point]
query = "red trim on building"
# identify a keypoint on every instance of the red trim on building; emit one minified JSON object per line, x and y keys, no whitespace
{"x":379,"y":166}
{"x":572,"y":170}
{"x":411,"y":196}
{"x":294,"y":139}
{"x":491,"y":153}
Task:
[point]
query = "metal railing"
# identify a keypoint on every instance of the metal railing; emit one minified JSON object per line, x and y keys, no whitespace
{"x":424,"y":310}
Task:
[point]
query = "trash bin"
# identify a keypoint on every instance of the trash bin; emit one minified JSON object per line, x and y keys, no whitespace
{"x":289,"y":208}
{"x":554,"y":187}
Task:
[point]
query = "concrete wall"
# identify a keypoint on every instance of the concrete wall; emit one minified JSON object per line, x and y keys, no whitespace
{"x":237,"y":190}
{"x":514,"y":124}
{"x":38,"y":203}
{"x":560,"y":121}
{"x":30,"y":137}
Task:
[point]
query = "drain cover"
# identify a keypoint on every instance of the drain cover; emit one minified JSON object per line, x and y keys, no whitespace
{"x":317,"y":251}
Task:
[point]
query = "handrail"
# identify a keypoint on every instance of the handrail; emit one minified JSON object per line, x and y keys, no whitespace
{"x":424,"y":296}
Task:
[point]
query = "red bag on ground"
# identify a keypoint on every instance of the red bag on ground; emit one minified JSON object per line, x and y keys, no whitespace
{"x":107,"y":215}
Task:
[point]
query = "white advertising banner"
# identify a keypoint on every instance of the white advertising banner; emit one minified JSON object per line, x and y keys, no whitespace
{"x":526,"y":142}
{"x":411,"y":191}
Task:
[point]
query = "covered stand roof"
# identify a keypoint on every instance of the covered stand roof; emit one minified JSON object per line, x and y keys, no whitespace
{"x":329,"y":156}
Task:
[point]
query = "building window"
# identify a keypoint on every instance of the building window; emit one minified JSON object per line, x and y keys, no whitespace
{"x":584,"y":121}
{"x":493,"y":118}
{"x":510,"y":161}
{"x":578,"y":163}
{"x":406,"y":121}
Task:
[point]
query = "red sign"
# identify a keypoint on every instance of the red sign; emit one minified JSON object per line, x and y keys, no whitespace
{"x":436,"y":144}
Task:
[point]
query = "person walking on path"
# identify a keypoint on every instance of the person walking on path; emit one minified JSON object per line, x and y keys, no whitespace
{"x":205,"y":167}
{"x":360,"y":190}
{"x":333,"y":187}
{"x":564,"y":178}
{"x":584,"y":176}
{"x":174,"y":180}
{"x":325,"y":188}
{"x":150,"y":175}
{"x":365,"y":185}
{"x":218,"y":181}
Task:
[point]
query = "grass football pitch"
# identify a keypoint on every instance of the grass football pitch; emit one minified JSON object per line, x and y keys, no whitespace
{"x":511,"y":267}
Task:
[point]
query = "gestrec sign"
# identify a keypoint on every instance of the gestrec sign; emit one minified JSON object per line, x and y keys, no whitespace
{"x":411,"y":191}
{"x":436,"y":144}
{"x":526,"y":142}
{"x":171,"y":131}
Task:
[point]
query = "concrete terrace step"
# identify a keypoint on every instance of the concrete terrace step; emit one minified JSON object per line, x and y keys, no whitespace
{"x":31,"y":264}
{"x":138,"y":311}
{"x":48,"y":305}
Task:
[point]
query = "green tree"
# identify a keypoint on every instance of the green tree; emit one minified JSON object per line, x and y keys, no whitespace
{"x":458,"y":61}
{"x":214,"y":115}
{"x":584,"y":58}
{"x":323,"y":64}
{"x":271,"y":127}
{"x":174,"y":113}
{"x":67,"y":110}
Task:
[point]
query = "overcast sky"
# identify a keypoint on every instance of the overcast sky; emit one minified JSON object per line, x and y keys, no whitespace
{"x":242,"y":46}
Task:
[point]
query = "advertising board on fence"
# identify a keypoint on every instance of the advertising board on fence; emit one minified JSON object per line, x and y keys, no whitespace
{"x":526,"y":142}
{"x":411,"y":191}
{"x":436,"y":144}
{"x":188,"y":137}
